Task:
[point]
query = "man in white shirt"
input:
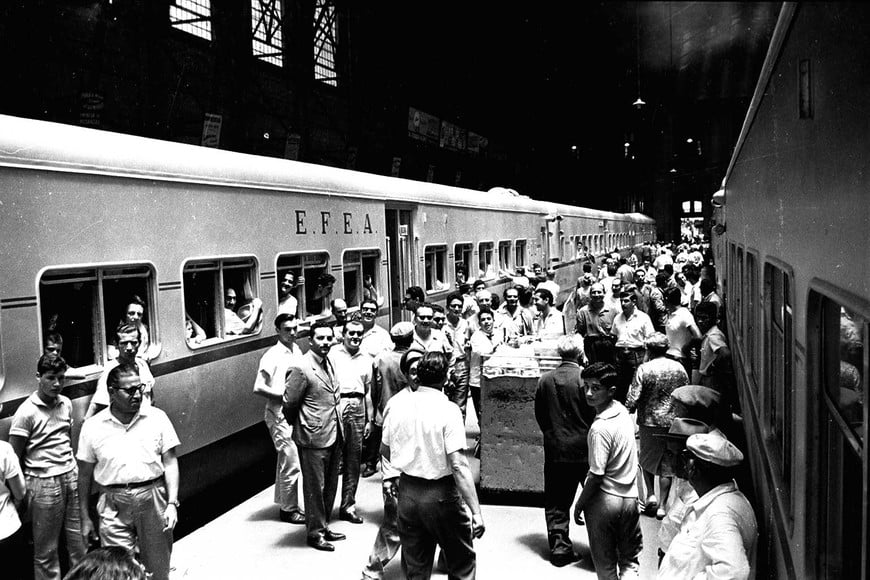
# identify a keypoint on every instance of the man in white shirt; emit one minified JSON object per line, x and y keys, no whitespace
{"x":631,"y":328}
{"x":549,"y":322}
{"x":424,"y":439}
{"x":269,"y":384}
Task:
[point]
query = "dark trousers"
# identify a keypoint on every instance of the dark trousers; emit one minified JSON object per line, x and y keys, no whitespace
{"x":15,"y":560}
{"x":627,"y":361}
{"x":353,"y":418}
{"x":431,"y":512}
{"x":319,"y":485}
{"x":371,"y":452}
{"x":457,"y":388}
{"x":599,"y":349}
{"x":475,"y":399}
{"x":560,"y":486}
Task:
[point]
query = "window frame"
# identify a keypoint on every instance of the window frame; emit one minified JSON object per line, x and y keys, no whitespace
{"x":505,"y":265}
{"x":323,"y":39}
{"x":269,"y":26}
{"x":483,"y":249}
{"x":463,"y":250}
{"x":435,"y":250}
{"x":367,"y":253}
{"x":300,"y":293}
{"x":101,"y":333}
{"x":521,"y":252}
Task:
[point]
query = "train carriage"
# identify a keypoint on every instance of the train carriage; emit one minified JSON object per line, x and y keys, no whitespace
{"x":91,"y":218}
{"x":791,"y":233}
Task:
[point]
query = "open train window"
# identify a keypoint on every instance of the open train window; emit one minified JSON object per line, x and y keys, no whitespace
{"x":462,"y":259}
{"x":840,"y":342}
{"x":219,"y":299}
{"x":778,"y":354}
{"x":520,"y":253}
{"x":436,"y":268}
{"x":504,"y":257}
{"x":751,"y":327}
{"x":86,"y":305}
{"x":314,"y":283}
{"x":486,"y":262}
{"x":360,"y":270}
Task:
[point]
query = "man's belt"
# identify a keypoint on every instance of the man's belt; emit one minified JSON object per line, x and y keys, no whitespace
{"x":352,"y":395}
{"x":134,"y":484}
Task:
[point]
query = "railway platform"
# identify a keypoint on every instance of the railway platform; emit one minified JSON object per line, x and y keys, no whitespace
{"x":250,"y":541}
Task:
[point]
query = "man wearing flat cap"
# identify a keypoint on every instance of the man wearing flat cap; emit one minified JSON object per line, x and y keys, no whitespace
{"x":719,"y":532}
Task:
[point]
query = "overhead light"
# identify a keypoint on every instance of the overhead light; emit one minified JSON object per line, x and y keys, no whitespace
{"x":689,"y":140}
{"x":573,"y":148}
{"x":627,"y":144}
{"x":639,"y":103}
{"x":673,"y":169}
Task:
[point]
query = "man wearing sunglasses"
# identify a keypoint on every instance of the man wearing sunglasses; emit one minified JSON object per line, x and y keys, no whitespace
{"x":129,"y":449}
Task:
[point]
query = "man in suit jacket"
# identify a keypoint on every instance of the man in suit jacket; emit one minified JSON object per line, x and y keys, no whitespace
{"x":564,"y":417}
{"x":311,"y":397}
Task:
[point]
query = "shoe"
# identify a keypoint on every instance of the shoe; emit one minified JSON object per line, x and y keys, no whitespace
{"x":369,"y":470}
{"x":321,"y":544}
{"x":661,"y":513}
{"x":559,"y":560}
{"x":294,"y":517}
{"x":580,"y":521}
{"x":650,"y":506}
{"x":350,"y":517}
{"x":333,"y":536}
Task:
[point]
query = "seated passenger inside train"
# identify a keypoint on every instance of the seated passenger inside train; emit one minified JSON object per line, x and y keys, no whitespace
{"x":245,"y":319}
{"x":317,"y":302}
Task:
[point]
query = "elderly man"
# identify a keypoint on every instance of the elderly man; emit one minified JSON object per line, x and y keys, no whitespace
{"x":353,"y":370}
{"x":564,"y":418}
{"x":594,"y":322}
{"x":311,"y":403}
{"x":338,"y":307}
{"x":719,"y":533}
{"x":274,"y":365}
{"x":424,"y":439}
{"x":129,"y":449}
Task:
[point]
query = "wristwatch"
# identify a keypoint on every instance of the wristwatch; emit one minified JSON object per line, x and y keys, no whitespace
{"x":174,"y":502}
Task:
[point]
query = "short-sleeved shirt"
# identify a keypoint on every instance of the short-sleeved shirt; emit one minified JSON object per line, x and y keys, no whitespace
{"x":712,"y":343}
{"x":9,"y":468}
{"x":421,"y":429}
{"x":678,"y":329}
{"x":458,"y":336}
{"x":522,"y":319}
{"x":437,"y":342}
{"x":232,"y":323}
{"x":612,"y":451}
{"x":651,"y":388}
{"x":633,"y":331}
{"x":274,"y":365}
{"x":129,"y":453}
{"x":352,"y":371}
{"x":376,"y":340}
{"x":48,"y":451}
{"x":592,"y":323}
{"x":288,"y":306}
{"x":101,"y":396}
{"x":551,"y":325}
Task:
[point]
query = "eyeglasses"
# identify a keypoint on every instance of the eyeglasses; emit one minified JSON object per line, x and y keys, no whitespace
{"x":353,"y":332}
{"x":424,"y":317}
{"x":130,"y":391}
{"x":368,"y":309}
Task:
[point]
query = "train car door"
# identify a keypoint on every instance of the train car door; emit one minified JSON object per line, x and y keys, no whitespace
{"x":399,"y":236}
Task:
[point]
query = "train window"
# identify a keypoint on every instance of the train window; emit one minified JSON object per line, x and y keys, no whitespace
{"x":191,"y":16}
{"x":219,"y":298}
{"x":520,"y":255}
{"x":841,"y":346}
{"x":486,"y":263}
{"x":751,"y":319}
{"x":436,"y":268}
{"x":86,"y":305}
{"x":462,"y":259}
{"x":314,"y":283}
{"x":360,"y":271}
{"x":778,"y":354}
{"x":738,"y":295}
{"x":504,"y":258}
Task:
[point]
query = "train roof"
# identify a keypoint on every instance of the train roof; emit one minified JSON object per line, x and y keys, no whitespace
{"x":28,"y":143}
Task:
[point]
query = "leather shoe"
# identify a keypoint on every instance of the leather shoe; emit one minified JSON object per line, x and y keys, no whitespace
{"x":559,"y":560}
{"x":369,"y":470}
{"x":333,"y":536}
{"x":350,"y":517}
{"x":321,"y":544}
{"x":296,"y":517}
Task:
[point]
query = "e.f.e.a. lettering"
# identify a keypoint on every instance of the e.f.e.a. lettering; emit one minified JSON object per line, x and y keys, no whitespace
{"x":345,"y":225}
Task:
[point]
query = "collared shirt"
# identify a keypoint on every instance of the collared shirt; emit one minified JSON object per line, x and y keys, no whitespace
{"x":127,"y":453}
{"x":714,"y":340}
{"x":551,"y":325}
{"x":650,"y":391}
{"x":437,"y":342}
{"x":633,"y":331}
{"x":612,"y":451}
{"x":9,"y":469}
{"x":273,"y":367}
{"x":717,"y":538}
{"x":48,"y":451}
{"x":101,"y":396}
{"x":522,"y":320}
{"x":592,"y":323}
{"x":289,"y":305}
{"x":422,"y":429}
{"x":482,"y":344}
{"x":458,"y":336}
{"x":376,"y":340}
{"x":352,"y":371}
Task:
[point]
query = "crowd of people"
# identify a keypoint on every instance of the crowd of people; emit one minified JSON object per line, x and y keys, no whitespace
{"x":644,"y":387}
